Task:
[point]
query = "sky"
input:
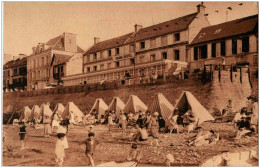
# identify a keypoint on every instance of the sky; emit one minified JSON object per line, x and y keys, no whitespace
{"x":25,"y":24}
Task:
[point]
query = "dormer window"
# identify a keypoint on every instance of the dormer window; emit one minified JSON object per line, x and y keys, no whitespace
{"x":95,"y":56}
{"x":117,"y":51}
{"x":217,"y":31}
{"x":177,"y":37}
{"x":202,"y":35}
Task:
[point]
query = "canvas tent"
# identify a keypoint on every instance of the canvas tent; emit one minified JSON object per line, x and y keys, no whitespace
{"x":46,"y":111}
{"x":72,"y":112}
{"x":100,"y":106}
{"x":26,"y":114}
{"x":116,"y":105}
{"x":36,"y":112}
{"x":59,"y":108}
{"x":187,"y":100}
{"x":161,"y":105}
{"x":134,"y":104}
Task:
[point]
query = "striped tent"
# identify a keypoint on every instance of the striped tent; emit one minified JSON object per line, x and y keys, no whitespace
{"x":134,"y":104}
{"x":26,"y":114}
{"x":36,"y":112}
{"x":187,"y":100}
{"x":161,"y":105}
{"x":100,"y":106}
{"x":116,"y":105}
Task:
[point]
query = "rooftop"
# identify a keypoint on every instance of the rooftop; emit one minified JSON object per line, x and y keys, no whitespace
{"x":227,"y":29}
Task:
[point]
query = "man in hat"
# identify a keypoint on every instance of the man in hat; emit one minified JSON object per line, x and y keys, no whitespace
{"x":154,"y":127}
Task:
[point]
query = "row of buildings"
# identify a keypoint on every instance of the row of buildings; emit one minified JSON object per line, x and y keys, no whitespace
{"x":181,"y":44}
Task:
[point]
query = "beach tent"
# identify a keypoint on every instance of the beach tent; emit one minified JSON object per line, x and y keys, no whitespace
{"x":46,"y":111}
{"x":134,"y":104}
{"x":100,"y":106}
{"x":116,"y":105}
{"x":59,"y":108}
{"x":161,"y":105}
{"x":36,"y":112}
{"x":72,"y":112}
{"x":26,"y":114}
{"x":187,"y":100}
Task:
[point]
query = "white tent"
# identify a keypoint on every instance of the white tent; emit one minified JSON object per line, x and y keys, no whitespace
{"x":116,"y":105}
{"x":26,"y":114}
{"x":36,"y":112}
{"x":187,"y":100}
{"x":59,"y":108}
{"x":72,"y":112}
{"x":100,"y":106}
{"x":46,"y":111}
{"x":134,"y":104}
{"x":161,"y":105}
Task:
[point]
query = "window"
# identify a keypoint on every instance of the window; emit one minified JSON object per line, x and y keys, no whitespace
{"x":152,"y":57}
{"x":117,"y":51}
{"x":47,"y":72}
{"x":109,"y":53}
{"x":34,"y":63}
{"x":132,"y":48}
{"x":95,"y":68}
{"x":117,"y":64}
{"x":152,"y":43}
{"x":177,"y":37}
{"x":217,"y":31}
{"x":234,"y":46}
{"x":88,"y":58}
{"x":95,"y":56}
{"x":61,"y":69}
{"x":102,"y":67}
{"x":245,"y":44}
{"x":141,"y":58}
{"x":132,"y":61}
{"x":203,"y":51}
{"x":213,"y":50}
{"x":101,"y":55}
{"x":164,"y":40}
{"x":15,"y":71}
{"x":177,"y":54}
{"x":42,"y":61}
{"x":202,"y":35}
{"x":108,"y":65}
{"x":39,"y":62}
{"x":88,"y":69}
{"x":164,"y":55}
{"x":195,"y":53}
{"x":142,"y":45}
{"x":223,"y":48}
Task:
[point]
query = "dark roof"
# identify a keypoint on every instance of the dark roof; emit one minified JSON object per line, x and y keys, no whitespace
{"x":170,"y":26}
{"x":228,"y":29}
{"x":53,"y":41}
{"x":15,"y":63}
{"x":111,"y":43}
{"x":80,"y":50}
{"x":174,"y":25}
{"x":60,"y":59}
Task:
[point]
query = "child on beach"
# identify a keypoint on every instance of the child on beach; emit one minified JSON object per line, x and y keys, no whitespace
{"x":22,"y":133}
{"x":91,"y":145}
{"x":134,"y":155}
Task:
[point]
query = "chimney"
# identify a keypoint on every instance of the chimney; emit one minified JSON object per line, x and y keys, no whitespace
{"x":43,"y":46}
{"x":201,"y":8}
{"x":34,"y":49}
{"x":96,"y":40}
{"x":137,"y":27}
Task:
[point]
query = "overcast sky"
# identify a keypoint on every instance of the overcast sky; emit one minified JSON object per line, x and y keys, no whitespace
{"x":28,"y":23}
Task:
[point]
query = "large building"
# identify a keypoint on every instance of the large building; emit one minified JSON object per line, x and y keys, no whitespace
{"x":156,"y":51}
{"x":45,"y":64}
{"x":15,"y":74}
{"x":233,"y":42}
